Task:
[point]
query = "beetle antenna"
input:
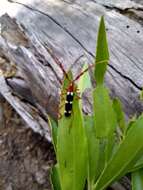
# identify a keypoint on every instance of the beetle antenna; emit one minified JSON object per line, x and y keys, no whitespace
{"x":58,"y":62}
{"x":89,"y":67}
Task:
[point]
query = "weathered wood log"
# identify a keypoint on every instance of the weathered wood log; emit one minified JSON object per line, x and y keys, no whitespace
{"x":35,"y":76}
{"x":126,"y":55}
{"x":70,"y":40}
{"x":30,"y":79}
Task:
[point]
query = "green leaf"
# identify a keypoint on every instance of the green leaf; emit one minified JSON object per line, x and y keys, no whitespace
{"x":104,"y":116}
{"x":102,"y":53}
{"x":141,"y":95}
{"x":119,"y":115}
{"x":131,"y":122}
{"x":72,"y":149}
{"x":97,"y":148}
{"x":129,"y":151}
{"x":93,"y":151}
{"x":137,"y":180}
{"x":138,"y":165}
{"x":84,"y":80}
{"x":54,"y":127}
{"x":55,"y":181}
{"x":104,"y":123}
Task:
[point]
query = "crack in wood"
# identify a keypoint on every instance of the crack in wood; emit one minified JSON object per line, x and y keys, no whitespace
{"x":126,"y":77}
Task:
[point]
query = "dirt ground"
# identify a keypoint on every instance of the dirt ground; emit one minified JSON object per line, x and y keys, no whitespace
{"x":25,"y":157}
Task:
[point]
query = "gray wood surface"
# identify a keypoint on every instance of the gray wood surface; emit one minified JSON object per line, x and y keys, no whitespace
{"x":70,"y":28}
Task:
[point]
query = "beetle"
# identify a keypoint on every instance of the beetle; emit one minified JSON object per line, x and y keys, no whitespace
{"x":72,"y":89}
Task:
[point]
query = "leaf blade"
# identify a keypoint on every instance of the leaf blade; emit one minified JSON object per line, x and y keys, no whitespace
{"x":137,"y":180}
{"x":104,"y":116}
{"x":72,"y":148}
{"x":123,"y":159}
{"x":55,"y":181}
{"x":93,"y":151}
{"x":102,"y":53}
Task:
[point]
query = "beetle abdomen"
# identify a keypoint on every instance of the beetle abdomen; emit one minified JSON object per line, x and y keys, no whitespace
{"x":68,"y":104}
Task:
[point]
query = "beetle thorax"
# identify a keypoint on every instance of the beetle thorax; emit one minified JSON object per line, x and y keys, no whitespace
{"x":71,"y":88}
